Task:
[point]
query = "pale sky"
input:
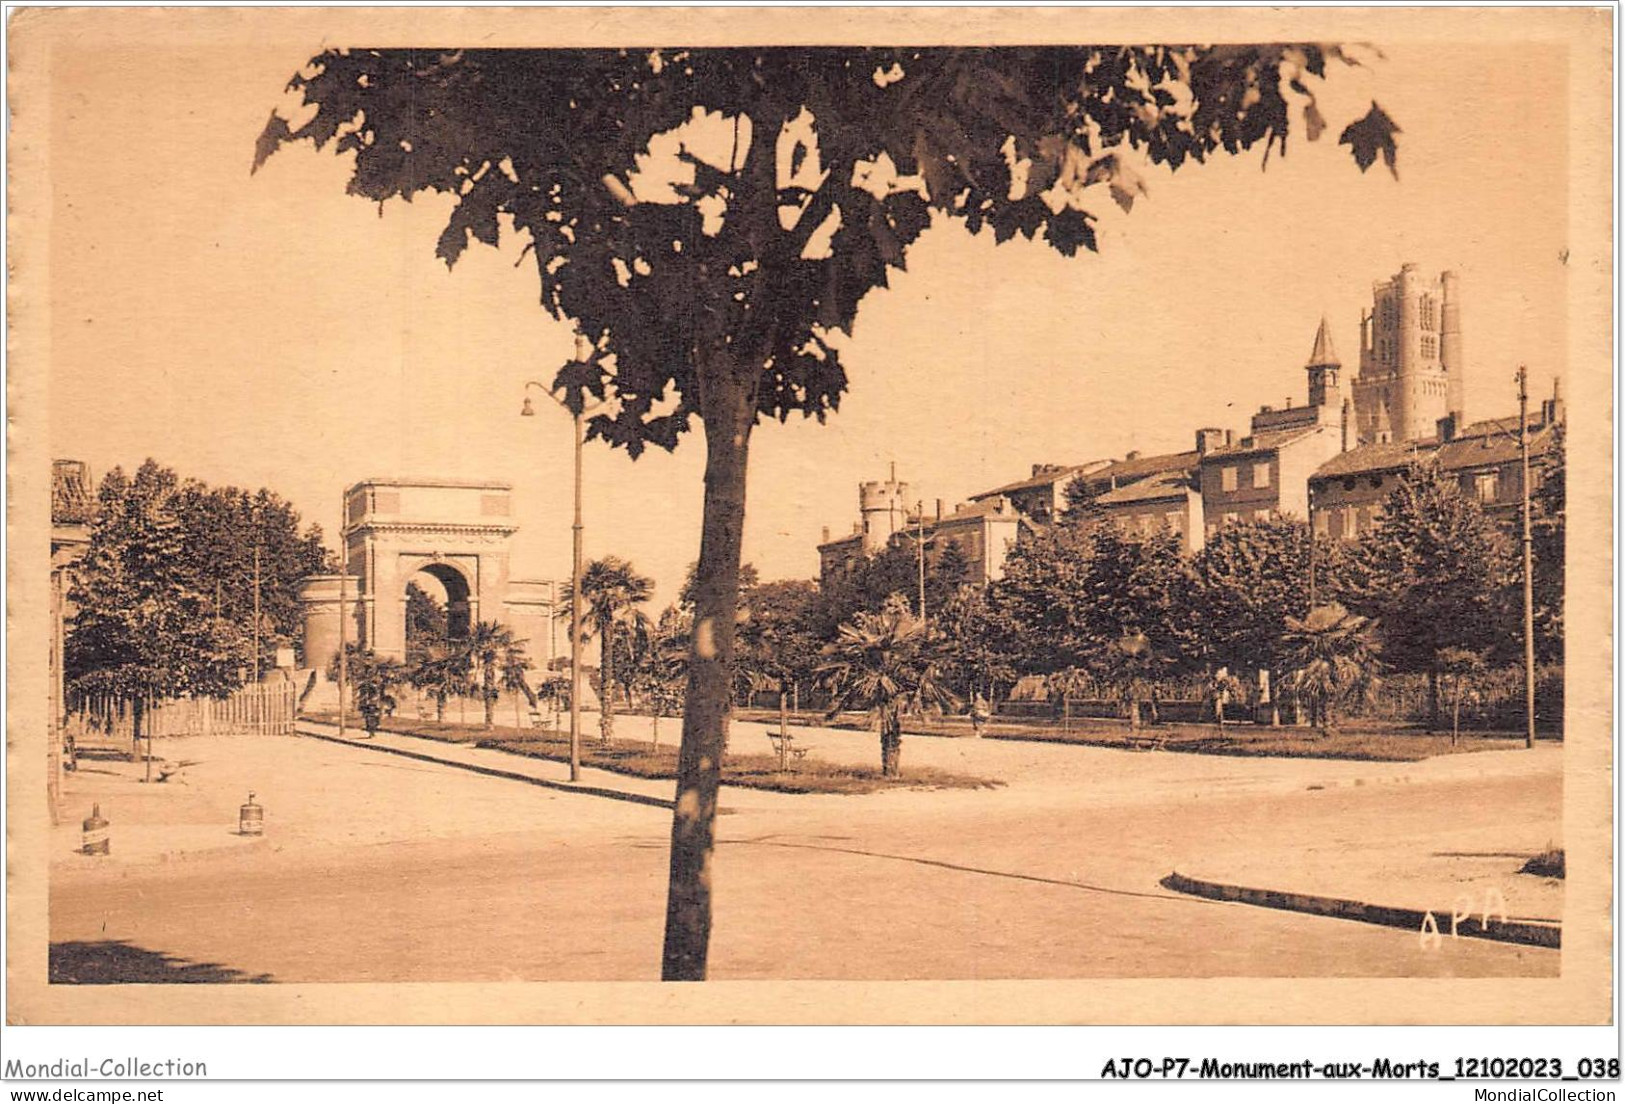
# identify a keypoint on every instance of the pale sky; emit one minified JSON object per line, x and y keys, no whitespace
{"x":271,"y":330}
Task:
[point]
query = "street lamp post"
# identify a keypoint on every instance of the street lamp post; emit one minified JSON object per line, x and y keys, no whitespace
{"x":1528,"y":564}
{"x":919,"y":511}
{"x":344,"y":629}
{"x":583,"y":353}
{"x":1522,"y":378}
{"x":1311,"y":502}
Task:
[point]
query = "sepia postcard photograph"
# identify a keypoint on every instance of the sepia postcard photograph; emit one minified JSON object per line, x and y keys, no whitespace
{"x":1020,"y":516}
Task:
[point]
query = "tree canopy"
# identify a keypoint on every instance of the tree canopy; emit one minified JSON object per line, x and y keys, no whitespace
{"x":165,"y":594}
{"x":1435,"y":573}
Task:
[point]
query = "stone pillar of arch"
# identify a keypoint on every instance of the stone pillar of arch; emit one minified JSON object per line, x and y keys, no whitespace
{"x":319,"y":599}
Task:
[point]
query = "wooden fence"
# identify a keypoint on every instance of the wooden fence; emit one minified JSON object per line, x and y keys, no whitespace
{"x":103,"y":721}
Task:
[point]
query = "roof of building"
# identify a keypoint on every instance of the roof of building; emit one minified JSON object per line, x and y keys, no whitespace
{"x":1044,"y":478}
{"x":837,"y":541}
{"x":1377,"y":457}
{"x":1140,"y":467}
{"x":975,"y":510}
{"x":1163,"y":485}
{"x":72,"y":502}
{"x":1324,"y":356}
{"x":1484,"y":443}
{"x":1267,"y":441}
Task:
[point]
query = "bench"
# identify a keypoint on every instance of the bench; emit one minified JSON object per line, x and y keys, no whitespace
{"x":786,"y":744}
{"x":1142,"y":742}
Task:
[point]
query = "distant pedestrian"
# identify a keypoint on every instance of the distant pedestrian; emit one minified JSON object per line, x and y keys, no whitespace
{"x":979,"y":714}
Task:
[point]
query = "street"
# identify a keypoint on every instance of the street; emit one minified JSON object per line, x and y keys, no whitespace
{"x":381,"y":868}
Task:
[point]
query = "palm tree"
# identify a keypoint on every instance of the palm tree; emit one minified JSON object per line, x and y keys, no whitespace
{"x":372,"y":677}
{"x":488,"y":642}
{"x":442,"y":673}
{"x":1331,"y":659}
{"x":612,"y":590}
{"x":663,"y":667}
{"x":881,"y":664}
{"x":512,"y":666}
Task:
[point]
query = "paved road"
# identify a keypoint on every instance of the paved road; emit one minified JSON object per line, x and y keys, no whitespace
{"x":383,"y":869}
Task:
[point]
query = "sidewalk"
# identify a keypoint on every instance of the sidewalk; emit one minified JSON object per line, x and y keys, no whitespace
{"x":321,"y":794}
{"x":501,"y":764}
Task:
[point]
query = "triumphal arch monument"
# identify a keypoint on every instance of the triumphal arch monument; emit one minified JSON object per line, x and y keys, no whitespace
{"x":460,"y":533}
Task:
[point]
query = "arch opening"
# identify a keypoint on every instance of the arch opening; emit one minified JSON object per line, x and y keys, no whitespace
{"x":436,"y":609}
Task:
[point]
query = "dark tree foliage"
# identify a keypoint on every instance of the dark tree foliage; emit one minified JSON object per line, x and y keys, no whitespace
{"x":976,"y":642}
{"x":946,"y":571}
{"x":1247,"y":580}
{"x":894,"y":569}
{"x":1436,"y":573}
{"x":777,"y":646}
{"x":1042,"y":596}
{"x":141,"y":628}
{"x":1079,"y":505}
{"x":1138,"y":586}
{"x":1074,"y":594}
{"x":165,"y":593}
{"x":224,"y":527}
{"x":714,"y":293}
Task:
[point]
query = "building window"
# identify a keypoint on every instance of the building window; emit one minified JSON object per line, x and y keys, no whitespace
{"x":1227,"y":479}
{"x":1261,"y":475}
{"x":1228,"y":519}
{"x":1487,"y":486}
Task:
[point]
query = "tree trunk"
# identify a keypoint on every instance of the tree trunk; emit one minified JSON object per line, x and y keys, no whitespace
{"x":439,"y":709}
{"x":729,"y":411}
{"x":136,"y":714}
{"x":1433,"y":699}
{"x":891,"y":744}
{"x":489,"y":693}
{"x":606,"y":682}
{"x":1455,"y":716}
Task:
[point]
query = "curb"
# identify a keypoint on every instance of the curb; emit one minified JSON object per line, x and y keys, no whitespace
{"x":496,"y":772}
{"x":1527,"y":931}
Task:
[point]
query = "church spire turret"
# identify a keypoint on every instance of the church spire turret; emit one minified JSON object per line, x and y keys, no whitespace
{"x":1324,"y":356}
{"x":1323,"y":368}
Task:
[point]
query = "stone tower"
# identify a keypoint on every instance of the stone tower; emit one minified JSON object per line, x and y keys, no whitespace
{"x":884,"y":507}
{"x":1411,"y":367}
